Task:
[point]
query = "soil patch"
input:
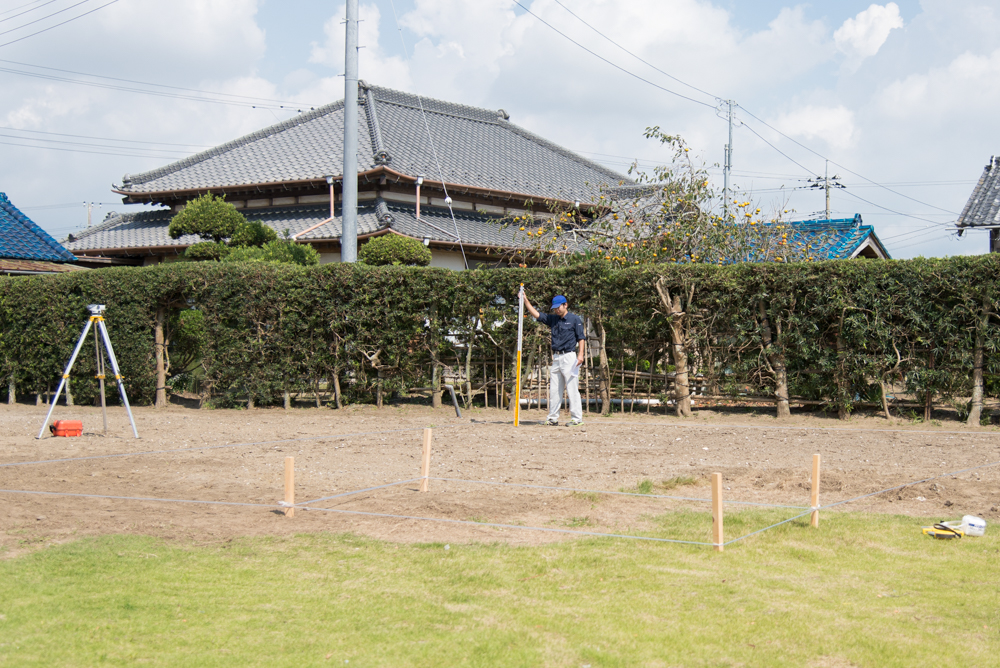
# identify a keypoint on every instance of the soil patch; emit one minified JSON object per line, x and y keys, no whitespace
{"x":237,"y":457}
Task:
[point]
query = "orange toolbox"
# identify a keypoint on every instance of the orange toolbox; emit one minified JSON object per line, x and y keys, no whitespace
{"x":66,"y":428}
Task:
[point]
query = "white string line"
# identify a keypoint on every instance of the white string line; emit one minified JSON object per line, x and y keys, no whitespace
{"x":600,"y":491}
{"x":430,"y":140}
{"x":790,"y":519}
{"x":218,"y":447}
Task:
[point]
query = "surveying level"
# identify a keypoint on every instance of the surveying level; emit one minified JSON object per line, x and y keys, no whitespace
{"x":96,"y":316}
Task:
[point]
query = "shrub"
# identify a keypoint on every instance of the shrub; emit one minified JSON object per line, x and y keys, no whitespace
{"x":252,"y":233}
{"x":395,"y":249}
{"x":209,"y":217}
{"x":282,"y":251}
{"x":206,"y":250}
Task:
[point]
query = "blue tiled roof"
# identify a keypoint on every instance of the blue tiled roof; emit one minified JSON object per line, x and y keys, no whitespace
{"x":24,"y":240}
{"x":835,"y":239}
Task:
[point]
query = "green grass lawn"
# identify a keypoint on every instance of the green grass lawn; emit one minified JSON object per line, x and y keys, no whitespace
{"x":861,"y":590}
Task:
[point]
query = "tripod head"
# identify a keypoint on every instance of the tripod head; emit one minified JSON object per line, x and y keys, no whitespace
{"x":96,"y":309}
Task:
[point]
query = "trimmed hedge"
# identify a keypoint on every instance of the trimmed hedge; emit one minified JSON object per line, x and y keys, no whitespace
{"x":840,"y":327}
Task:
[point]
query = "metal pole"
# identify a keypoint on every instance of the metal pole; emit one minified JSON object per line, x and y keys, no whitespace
{"x":520,"y":336}
{"x":114,"y":367}
{"x":349,"y":194}
{"x":826,"y":183}
{"x":62,"y":382}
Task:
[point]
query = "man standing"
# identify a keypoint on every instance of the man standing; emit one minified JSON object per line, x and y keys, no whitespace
{"x":569,"y":345}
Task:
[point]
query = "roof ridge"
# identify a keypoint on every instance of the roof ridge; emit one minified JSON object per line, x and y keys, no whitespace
{"x":257,"y":135}
{"x":434,"y":105}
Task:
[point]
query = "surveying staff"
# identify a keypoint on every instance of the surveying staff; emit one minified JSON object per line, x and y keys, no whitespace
{"x":569,"y":343}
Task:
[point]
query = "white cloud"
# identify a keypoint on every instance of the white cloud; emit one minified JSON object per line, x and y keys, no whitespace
{"x":833,"y":125}
{"x":863,"y":35}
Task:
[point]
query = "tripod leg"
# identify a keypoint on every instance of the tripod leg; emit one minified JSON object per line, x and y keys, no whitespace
{"x":100,"y":379}
{"x":62,"y":382}
{"x":118,"y":375}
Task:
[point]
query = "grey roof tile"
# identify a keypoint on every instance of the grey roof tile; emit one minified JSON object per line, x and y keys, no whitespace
{"x":983,"y":207}
{"x":476,"y":147}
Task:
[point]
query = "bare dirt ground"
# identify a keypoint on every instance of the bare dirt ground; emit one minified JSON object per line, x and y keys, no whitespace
{"x":187,"y":457}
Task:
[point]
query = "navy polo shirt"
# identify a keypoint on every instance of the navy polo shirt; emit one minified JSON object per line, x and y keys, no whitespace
{"x":566,"y":331}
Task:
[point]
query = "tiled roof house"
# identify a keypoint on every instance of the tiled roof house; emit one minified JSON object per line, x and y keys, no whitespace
{"x":982,"y":211}
{"x":286,"y":175}
{"x":25,"y":248}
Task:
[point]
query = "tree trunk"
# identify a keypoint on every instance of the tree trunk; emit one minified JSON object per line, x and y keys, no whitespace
{"x":777,"y":363}
{"x":604,"y":375}
{"x":11,"y":391}
{"x":38,"y":399}
{"x":929,"y":395}
{"x":287,"y":396}
{"x":885,"y":401}
{"x":69,"y":394}
{"x":250,"y":404}
{"x":161,"y":366}
{"x":435,"y":382}
{"x":336,"y":388}
{"x":843,"y":412}
{"x":468,"y":366}
{"x":976,"y":409}
{"x":678,"y":349}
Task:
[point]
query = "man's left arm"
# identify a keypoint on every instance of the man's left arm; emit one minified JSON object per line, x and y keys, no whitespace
{"x":581,"y":341}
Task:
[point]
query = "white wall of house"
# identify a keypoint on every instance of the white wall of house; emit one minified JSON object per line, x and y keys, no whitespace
{"x":447,"y":260}
{"x":327,"y":258}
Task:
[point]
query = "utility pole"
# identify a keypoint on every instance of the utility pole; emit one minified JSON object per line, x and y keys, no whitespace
{"x":89,"y":205}
{"x":728,"y":166}
{"x":826,"y":183}
{"x":349,"y":183}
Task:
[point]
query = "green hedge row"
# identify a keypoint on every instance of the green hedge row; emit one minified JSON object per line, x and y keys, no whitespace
{"x":841,"y":330}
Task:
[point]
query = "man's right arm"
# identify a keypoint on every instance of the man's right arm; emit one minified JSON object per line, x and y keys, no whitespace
{"x":531,"y":309}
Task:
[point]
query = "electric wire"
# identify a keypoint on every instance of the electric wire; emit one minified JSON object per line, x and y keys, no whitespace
{"x":27,"y":4}
{"x":617,"y":67}
{"x":27,"y":11}
{"x":20,"y":39}
{"x":73,"y":150}
{"x":25,"y":25}
{"x":128,"y":141}
{"x":718,"y":98}
{"x":430,"y":140}
{"x":248,"y":98}
{"x":640,"y":59}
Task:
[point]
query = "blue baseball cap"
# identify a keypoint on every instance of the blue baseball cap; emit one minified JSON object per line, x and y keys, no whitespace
{"x":557,"y":301}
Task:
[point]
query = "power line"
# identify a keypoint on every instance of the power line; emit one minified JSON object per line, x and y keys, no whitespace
{"x":72,"y":143}
{"x":641,"y":60}
{"x":861,"y":176}
{"x":25,"y":25}
{"x":617,"y":67}
{"x":247,"y":98}
{"x":898,"y":213}
{"x":71,"y":150}
{"x":19,"y":39}
{"x":130,"y":141}
{"x":27,"y":11}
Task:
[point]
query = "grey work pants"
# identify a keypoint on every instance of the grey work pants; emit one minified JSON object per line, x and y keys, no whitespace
{"x":560,"y":379}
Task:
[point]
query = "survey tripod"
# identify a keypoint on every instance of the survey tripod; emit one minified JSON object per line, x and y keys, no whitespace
{"x":96,"y":318}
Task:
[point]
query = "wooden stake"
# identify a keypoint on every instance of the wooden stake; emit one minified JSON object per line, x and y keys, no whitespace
{"x":289,"y":486}
{"x":425,"y":464}
{"x":815,"y":491}
{"x":717,"y":511}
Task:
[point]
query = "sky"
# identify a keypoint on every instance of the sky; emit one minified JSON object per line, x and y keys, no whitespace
{"x":899,"y":97}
